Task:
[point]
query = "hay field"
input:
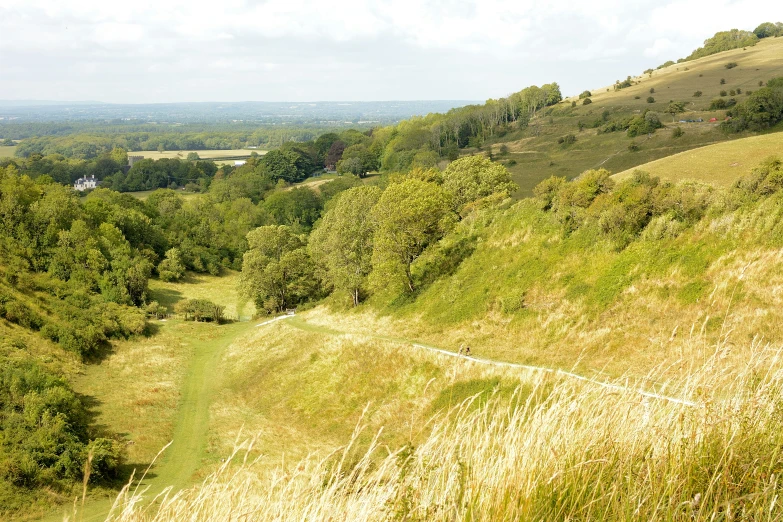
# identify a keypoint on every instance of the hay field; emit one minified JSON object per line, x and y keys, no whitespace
{"x":7,"y":152}
{"x":202,"y":154}
{"x":719,"y":164}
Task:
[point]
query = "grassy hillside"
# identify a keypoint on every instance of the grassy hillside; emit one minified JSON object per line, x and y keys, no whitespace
{"x":534,"y":153}
{"x":720,"y":164}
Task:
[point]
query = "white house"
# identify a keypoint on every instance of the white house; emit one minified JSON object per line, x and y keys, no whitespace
{"x":85,"y":183}
{"x":239,"y":163}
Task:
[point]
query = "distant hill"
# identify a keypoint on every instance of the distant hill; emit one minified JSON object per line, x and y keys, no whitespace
{"x":533,"y":154}
{"x":320,"y":112}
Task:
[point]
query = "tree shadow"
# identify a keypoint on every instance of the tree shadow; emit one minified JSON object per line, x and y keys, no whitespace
{"x":166,"y":297}
{"x":125,"y":470}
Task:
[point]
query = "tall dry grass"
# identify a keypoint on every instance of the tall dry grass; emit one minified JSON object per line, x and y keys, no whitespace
{"x":569,"y":451}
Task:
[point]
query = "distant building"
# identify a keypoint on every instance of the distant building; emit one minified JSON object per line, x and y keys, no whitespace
{"x":85,"y":183}
{"x":239,"y":163}
{"x":134,"y":159}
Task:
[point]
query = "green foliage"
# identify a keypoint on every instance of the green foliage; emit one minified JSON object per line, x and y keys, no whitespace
{"x":343,"y":240}
{"x":300,"y":206}
{"x":472,"y":178}
{"x":587,"y":101}
{"x":45,"y":439}
{"x":277,"y":271}
{"x":768,"y":29}
{"x":724,"y":41}
{"x":172,"y":268}
{"x":760,"y":110}
{"x":650,"y":99}
{"x":585,"y":94}
{"x":200,"y":310}
{"x":697,"y":94}
{"x":568,"y":139}
{"x":718,"y":104}
{"x":410,"y":216}
{"x":677,"y":132}
{"x":644,"y":124}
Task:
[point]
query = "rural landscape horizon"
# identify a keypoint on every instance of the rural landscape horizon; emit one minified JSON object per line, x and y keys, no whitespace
{"x":533,"y":271}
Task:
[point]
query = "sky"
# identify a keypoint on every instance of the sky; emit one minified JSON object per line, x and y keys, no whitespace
{"x":155,"y":51}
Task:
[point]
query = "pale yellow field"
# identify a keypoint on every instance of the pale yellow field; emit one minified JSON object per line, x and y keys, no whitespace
{"x":221,"y":290}
{"x":203,"y":154}
{"x":719,"y":164}
{"x":7,"y":152}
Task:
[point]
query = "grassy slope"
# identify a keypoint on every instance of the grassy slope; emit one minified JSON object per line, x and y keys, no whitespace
{"x":720,"y":164}
{"x":527,"y":295}
{"x":539,"y":157}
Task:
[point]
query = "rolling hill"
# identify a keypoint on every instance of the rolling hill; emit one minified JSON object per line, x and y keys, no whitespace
{"x":533,"y":154}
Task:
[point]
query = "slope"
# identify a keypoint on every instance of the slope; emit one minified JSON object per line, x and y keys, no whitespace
{"x":533,"y":154}
{"x":720,"y":164}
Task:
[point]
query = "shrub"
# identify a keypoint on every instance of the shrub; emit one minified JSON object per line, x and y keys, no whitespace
{"x":585,"y":94}
{"x":650,"y":99}
{"x":730,"y":65}
{"x":718,"y":104}
{"x":697,"y":94}
{"x":723,"y":81}
{"x":677,"y":132}
{"x":587,"y":101}
{"x":633,"y":147}
{"x":200,"y":310}
{"x":732,"y":92}
{"x":568,"y":139}
{"x":652,"y":90}
{"x":723,"y":93}
{"x":739,"y":91}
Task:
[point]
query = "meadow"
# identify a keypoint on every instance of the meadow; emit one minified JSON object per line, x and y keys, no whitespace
{"x":7,"y":152}
{"x":719,"y":165}
{"x":219,"y":156}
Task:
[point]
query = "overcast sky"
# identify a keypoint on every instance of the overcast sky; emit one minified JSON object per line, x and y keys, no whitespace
{"x":299,"y":50}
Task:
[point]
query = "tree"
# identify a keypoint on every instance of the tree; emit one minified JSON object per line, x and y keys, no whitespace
{"x":343,"y":240}
{"x":768,"y":29}
{"x":277,"y":271}
{"x":471,"y":178}
{"x":172,"y":268}
{"x":650,"y":99}
{"x":299,"y":206}
{"x":334,"y":154}
{"x":410,"y":216}
{"x":675,"y":108}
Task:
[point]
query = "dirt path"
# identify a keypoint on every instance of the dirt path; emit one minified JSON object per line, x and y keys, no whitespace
{"x":302,"y":325}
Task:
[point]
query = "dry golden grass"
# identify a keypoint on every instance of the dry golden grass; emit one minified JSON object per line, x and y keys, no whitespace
{"x":720,"y":164}
{"x":568,"y":451}
{"x":202,"y":154}
{"x":135,"y":390}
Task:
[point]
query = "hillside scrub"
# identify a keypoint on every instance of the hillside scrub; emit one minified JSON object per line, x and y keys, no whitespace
{"x":564,"y":451}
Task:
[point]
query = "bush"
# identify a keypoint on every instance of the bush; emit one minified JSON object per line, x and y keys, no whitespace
{"x":650,"y":99}
{"x":723,"y":81}
{"x":718,"y":104}
{"x":723,"y":93}
{"x":200,"y":310}
{"x":587,"y":101}
{"x":585,"y":94}
{"x":633,"y":147}
{"x":697,"y":94}
{"x":677,"y":132}
{"x":568,"y":139}
{"x":730,"y":65}
{"x":652,"y":90}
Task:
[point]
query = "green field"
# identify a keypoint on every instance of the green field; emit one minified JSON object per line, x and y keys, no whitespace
{"x":7,"y":152}
{"x":720,"y":164}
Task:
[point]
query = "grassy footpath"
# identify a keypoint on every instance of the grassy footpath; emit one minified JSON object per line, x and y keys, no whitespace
{"x":191,"y":422}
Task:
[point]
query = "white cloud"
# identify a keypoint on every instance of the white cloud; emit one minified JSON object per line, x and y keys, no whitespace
{"x":366,"y":49}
